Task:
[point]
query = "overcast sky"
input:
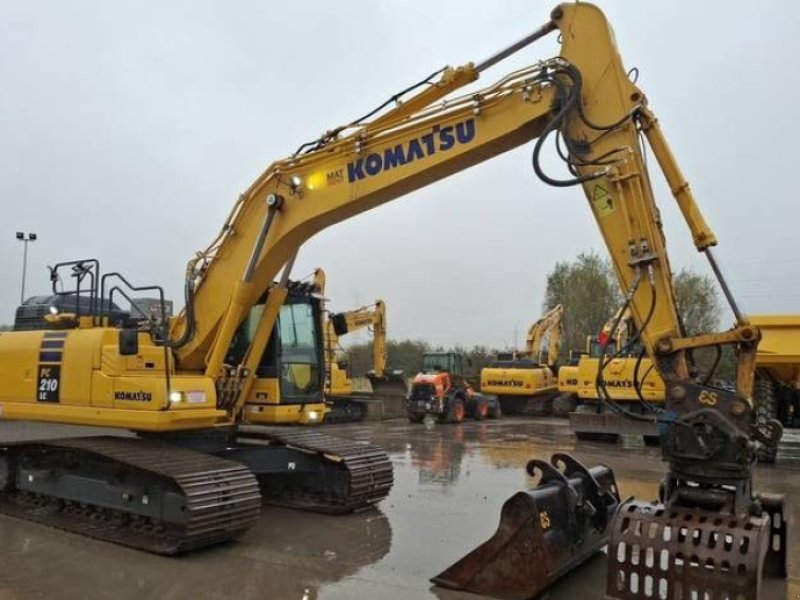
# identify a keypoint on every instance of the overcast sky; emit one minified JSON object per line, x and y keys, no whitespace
{"x":128,"y":129}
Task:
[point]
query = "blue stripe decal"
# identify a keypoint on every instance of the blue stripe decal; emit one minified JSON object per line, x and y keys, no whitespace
{"x":52,"y":357}
{"x":57,"y":344}
{"x":50,"y":335}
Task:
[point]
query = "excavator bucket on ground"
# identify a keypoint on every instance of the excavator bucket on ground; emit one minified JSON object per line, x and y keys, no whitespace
{"x":688,"y":554}
{"x":543,"y":533}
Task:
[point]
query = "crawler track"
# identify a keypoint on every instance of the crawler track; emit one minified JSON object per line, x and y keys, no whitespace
{"x":356,"y":474}
{"x":139,"y":493}
{"x":347,"y":409}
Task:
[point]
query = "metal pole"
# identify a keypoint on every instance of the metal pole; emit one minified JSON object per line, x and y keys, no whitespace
{"x":24,"y":270}
{"x":516,"y":47}
{"x":740,"y":319}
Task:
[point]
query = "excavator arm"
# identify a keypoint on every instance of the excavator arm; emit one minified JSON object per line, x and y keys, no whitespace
{"x":386,"y":383}
{"x":373,"y":316}
{"x":616,"y":330}
{"x":548,"y":327}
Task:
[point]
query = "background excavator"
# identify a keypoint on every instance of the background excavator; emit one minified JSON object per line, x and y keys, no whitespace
{"x":388,"y":385}
{"x":188,"y":478}
{"x":526,"y":382}
{"x":629,"y":377}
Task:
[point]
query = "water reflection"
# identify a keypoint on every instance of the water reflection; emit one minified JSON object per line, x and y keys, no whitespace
{"x":451,"y":482}
{"x":437,"y":454}
{"x":287,"y":554}
{"x":437,"y":451}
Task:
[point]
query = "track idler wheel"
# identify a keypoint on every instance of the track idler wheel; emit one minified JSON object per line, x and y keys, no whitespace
{"x":685,"y":553}
{"x":543,"y":533}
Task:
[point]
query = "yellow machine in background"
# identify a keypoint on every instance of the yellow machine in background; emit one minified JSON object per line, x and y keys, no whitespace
{"x":388,"y":385}
{"x":778,"y":362}
{"x":631,"y":380}
{"x":190,"y":477}
{"x":383,"y":379}
{"x":777,"y":390}
{"x":526,"y":382}
{"x":629,"y":376}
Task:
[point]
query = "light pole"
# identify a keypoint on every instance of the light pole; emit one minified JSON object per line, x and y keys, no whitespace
{"x":31,"y":237}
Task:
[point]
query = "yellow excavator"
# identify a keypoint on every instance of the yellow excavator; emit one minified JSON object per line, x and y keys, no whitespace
{"x":526,"y":382}
{"x":188,"y":478}
{"x":388,"y":385}
{"x":628,"y":375}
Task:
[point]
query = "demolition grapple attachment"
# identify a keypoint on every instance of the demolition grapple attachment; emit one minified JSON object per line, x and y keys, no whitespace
{"x":543,"y":533}
{"x":683,"y":554}
{"x":709,"y":536}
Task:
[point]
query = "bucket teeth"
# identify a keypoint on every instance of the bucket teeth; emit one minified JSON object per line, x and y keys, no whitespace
{"x":543,"y":533}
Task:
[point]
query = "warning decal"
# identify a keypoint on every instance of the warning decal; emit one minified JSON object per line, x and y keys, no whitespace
{"x":602,"y":201}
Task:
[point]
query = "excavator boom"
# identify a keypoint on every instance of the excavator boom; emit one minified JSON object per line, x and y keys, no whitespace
{"x":372,"y":316}
{"x":548,"y":327}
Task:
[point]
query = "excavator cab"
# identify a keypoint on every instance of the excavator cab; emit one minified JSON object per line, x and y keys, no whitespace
{"x":288,"y":387}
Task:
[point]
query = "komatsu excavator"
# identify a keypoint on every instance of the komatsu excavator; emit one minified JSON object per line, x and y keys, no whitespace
{"x":188,"y":476}
{"x":629,"y":377}
{"x":526,"y":382}
{"x":388,"y":385}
